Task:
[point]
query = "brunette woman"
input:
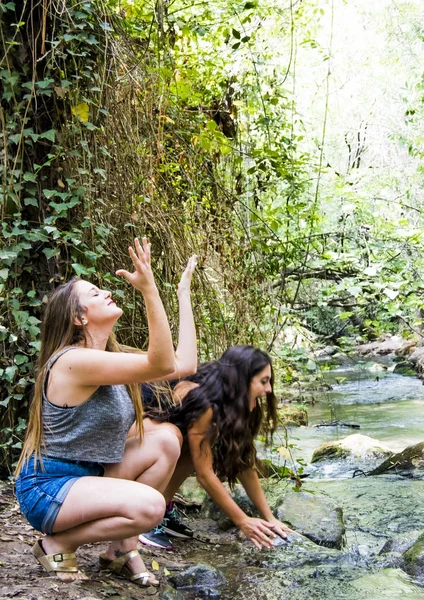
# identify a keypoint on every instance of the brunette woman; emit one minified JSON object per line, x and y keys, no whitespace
{"x":79,"y":479}
{"x":219,"y":411}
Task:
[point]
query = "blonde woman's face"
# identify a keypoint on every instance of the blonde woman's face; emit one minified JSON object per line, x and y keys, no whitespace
{"x":260,"y":386}
{"x":98,"y":305}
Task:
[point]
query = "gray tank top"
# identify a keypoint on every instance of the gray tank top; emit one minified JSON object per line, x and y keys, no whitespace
{"x":95,"y":430}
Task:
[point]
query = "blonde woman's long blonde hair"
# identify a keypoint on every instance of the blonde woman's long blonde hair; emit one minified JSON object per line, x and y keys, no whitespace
{"x":58,"y":331}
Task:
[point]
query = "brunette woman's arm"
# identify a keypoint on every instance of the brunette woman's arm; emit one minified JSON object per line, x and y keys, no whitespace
{"x":259,"y":531}
{"x":250,"y":481}
{"x":186,"y":353}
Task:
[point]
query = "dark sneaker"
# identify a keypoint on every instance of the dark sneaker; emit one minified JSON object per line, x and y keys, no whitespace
{"x":174,"y":525}
{"x":156,"y":538}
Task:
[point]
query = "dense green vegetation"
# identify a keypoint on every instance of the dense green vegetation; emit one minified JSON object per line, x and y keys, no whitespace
{"x":213,"y":128}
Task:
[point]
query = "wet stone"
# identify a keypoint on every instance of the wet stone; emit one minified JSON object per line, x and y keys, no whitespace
{"x":201,"y":576}
{"x":170,"y":593}
{"x":314,"y":516}
{"x":409,"y":462}
{"x":414,"y":558}
{"x":356,"y":445}
{"x":400,"y":543}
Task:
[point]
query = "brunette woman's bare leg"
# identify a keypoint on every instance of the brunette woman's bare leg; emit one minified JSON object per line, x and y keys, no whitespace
{"x":103,"y":509}
{"x":183,"y":470}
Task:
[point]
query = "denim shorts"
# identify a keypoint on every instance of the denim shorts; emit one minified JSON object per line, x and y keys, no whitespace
{"x":42,"y":488}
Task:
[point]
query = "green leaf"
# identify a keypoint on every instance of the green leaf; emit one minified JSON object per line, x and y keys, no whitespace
{"x":44,"y":83}
{"x":15,"y":138}
{"x":50,"y":193}
{"x":28,"y":176}
{"x":21,"y":316}
{"x":80,"y":269}
{"x":49,"y":135}
{"x":236,"y":34}
{"x":51,"y":252}
{"x":4,"y":273}
{"x":9,"y":373}
{"x":30,"y":202}
{"x":20,"y":359}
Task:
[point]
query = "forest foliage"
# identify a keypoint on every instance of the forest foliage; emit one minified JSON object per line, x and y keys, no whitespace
{"x":186,"y":123}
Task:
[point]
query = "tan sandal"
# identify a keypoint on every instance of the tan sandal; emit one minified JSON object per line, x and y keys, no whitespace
{"x":55,"y":563}
{"x":119,"y":567}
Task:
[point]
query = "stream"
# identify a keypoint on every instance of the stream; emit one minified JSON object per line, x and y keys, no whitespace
{"x":383,"y":515}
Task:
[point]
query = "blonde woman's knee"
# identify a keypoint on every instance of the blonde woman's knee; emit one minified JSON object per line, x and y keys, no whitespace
{"x":149,"y":508}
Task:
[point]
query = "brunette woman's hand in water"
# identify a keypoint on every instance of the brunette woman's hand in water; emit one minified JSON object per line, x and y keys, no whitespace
{"x":258,"y":531}
{"x":142,"y":278}
{"x":280,"y":528}
{"x":185,"y":282}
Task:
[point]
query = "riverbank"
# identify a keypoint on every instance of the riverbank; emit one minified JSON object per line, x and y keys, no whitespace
{"x":382,"y":516}
{"x":357,"y":530}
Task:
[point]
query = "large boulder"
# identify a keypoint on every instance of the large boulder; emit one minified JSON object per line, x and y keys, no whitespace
{"x":355,"y":446}
{"x":414,"y":558}
{"x":389,"y":345}
{"x":313,"y":515}
{"x":409,"y":462}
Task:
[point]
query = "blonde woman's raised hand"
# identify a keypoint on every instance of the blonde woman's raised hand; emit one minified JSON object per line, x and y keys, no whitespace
{"x":142,"y":278}
{"x":185,"y":281}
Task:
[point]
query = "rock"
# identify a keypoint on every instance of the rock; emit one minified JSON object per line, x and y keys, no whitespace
{"x":314,"y":516}
{"x":414,"y":558}
{"x":292,"y":415}
{"x":211,"y":511}
{"x":382,"y":347}
{"x":199,"y":576}
{"x":376,"y":367}
{"x":328,"y":351}
{"x":387,"y":583}
{"x":417,"y":355}
{"x":403,"y":368}
{"x":417,"y":360}
{"x":170,"y":593}
{"x":408,"y":462}
{"x":408,"y":348}
{"x":355,"y":445}
{"x":192,"y":491}
{"x":400,"y":543}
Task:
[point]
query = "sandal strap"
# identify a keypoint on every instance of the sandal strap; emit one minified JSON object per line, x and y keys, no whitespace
{"x":119,"y":563}
{"x":63,"y":563}
{"x":145,"y":576}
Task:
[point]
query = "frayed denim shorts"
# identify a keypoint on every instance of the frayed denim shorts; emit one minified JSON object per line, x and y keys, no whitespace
{"x":42,"y":488}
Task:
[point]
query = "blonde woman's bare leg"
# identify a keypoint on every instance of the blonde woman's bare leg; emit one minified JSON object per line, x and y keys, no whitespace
{"x":103,"y":509}
{"x":152,"y":461}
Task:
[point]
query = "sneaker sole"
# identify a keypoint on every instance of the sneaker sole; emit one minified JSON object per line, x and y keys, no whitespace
{"x":173,"y":533}
{"x":147,"y":542}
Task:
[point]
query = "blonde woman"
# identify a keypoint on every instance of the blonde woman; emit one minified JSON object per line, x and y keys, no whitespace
{"x":79,"y":479}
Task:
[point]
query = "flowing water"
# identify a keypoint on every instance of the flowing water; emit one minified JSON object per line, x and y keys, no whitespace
{"x":376,"y":510}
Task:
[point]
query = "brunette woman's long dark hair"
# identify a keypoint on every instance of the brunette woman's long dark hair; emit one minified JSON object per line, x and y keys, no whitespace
{"x":224,"y":386}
